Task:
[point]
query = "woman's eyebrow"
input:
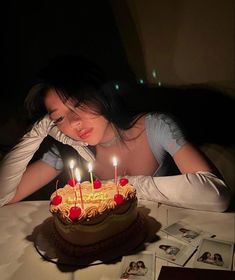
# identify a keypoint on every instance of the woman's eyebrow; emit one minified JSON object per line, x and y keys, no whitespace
{"x":50,"y":112}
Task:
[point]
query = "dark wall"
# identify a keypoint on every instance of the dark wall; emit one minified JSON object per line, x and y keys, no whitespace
{"x":35,"y":31}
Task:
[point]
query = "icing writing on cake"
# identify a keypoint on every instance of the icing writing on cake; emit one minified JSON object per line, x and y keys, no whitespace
{"x":90,"y":197}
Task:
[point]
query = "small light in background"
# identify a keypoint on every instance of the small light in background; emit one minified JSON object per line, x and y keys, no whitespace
{"x":154,"y":73}
{"x":141,"y":81}
{"x":117,"y":86}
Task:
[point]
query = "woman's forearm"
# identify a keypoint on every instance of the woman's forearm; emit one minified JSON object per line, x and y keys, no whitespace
{"x":200,"y":190}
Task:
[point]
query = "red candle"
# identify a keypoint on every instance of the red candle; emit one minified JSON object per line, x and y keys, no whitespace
{"x":78,"y":177}
{"x":71,"y":165}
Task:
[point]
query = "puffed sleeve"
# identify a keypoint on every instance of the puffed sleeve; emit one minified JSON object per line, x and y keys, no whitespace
{"x":53,"y":158}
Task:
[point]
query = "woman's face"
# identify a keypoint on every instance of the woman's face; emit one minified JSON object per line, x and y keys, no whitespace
{"x":79,"y":123}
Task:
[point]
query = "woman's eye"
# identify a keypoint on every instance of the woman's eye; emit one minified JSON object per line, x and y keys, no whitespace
{"x":59,"y":120}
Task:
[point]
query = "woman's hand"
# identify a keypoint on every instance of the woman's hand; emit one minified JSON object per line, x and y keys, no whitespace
{"x":79,"y":146}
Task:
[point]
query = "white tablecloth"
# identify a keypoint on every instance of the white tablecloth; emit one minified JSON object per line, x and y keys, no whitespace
{"x":20,"y":260}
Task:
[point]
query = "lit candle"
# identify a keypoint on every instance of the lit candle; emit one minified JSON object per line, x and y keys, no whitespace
{"x":115,"y":163}
{"x":91,"y":175}
{"x":71,"y":166}
{"x":57,"y":199}
{"x":78,"y":177}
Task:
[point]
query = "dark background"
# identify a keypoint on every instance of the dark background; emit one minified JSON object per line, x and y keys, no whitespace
{"x":35,"y":31}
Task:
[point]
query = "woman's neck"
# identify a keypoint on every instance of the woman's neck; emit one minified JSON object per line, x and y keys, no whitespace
{"x":113,"y":136}
{"x":115,"y":139}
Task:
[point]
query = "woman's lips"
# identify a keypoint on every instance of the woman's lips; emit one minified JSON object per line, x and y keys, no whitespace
{"x":85,"y":133}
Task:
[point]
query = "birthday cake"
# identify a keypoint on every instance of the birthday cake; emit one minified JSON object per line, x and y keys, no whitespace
{"x":90,"y":219}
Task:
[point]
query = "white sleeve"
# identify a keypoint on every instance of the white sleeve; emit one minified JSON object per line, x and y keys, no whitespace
{"x":200,"y":191}
{"x":14,"y":164}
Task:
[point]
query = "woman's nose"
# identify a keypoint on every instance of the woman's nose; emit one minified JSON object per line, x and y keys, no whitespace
{"x":74,"y":119}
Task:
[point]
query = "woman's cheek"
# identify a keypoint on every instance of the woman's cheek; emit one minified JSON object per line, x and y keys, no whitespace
{"x":65,"y":129}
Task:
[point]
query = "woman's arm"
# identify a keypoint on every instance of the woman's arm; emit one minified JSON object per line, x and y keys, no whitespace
{"x":14,"y":164}
{"x":200,"y":190}
{"x":198,"y":187}
{"x":37,"y":175}
{"x":190,"y":160}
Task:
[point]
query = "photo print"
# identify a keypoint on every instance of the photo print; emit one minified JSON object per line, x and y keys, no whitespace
{"x":186,"y":233}
{"x":138,"y":267}
{"x":173,"y":251}
{"x":214,"y":254}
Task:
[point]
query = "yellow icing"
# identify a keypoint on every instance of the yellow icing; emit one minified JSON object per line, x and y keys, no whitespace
{"x":95,"y":201}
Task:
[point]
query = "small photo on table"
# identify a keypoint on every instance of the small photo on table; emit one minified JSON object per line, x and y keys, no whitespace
{"x":139,"y":266}
{"x":214,"y":254}
{"x":173,"y":251}
{"x":186,"y":233}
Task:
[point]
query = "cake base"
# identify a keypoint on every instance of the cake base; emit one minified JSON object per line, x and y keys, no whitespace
{"x":55,"y":249}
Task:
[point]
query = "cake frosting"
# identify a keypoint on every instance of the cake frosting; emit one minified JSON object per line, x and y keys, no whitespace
{"x":90,"y":218}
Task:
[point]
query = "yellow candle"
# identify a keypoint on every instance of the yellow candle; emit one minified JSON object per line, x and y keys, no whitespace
{"x":91,"y":175}
{"x":115,"y":164}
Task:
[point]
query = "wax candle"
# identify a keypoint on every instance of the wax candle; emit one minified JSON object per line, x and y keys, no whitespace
{"x":71,"y":166}
{"x":91,"y":175}
{"x":57,"y":199}
{"x":78,"y":177}
{"x":115,"y":164}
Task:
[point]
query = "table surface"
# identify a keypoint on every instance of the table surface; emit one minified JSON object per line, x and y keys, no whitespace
{"x":20,"y":260}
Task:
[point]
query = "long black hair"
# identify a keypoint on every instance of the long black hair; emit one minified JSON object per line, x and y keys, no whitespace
{"x":196,"y":108}
{"x":78,"y":79}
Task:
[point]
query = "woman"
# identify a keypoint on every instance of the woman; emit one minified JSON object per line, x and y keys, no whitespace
{"x":206,"y":258}
{"x":141,"y":268}
{"x":171,"y":251}
{"x":218,"y":260}
{"x":188,"y":233}
{"x":74,"y":104}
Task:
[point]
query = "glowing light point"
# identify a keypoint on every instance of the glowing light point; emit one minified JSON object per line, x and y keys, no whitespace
{"x":71,"y":166}
{"x":78,"y":175}
{"x":117,"y":86}
{"x":141,"y":81}
{"x":115,"y":164}
{"x":154,"y":73}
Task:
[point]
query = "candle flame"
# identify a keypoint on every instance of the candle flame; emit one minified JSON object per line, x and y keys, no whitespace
{"x":89,"y":167}
{"x":114,"y":161}
{"x":78,"y":175}
{"x":71,"y":164}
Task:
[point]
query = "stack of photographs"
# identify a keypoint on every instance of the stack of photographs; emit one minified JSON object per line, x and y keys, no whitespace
{"x":185,"y":240}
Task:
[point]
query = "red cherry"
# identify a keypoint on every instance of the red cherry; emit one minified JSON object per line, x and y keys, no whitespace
{"x":56,"y":200}
{"x":72,"y":182}
{"x":74,"y":213}
{"x":118,"y":198}
{"x":97,"y":184}
{"x":123,"y":181}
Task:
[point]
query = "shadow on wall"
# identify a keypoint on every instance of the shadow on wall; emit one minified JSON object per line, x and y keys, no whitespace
{"x":205,"y":114}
